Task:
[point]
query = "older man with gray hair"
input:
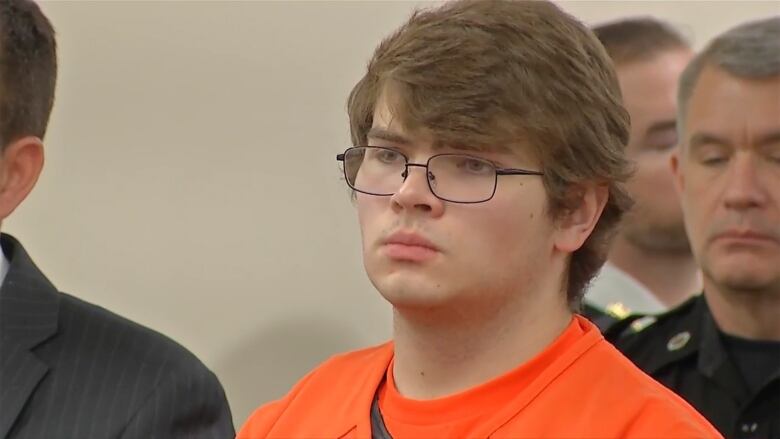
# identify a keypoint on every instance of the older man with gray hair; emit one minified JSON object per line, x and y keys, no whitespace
{"x":721,"y":350}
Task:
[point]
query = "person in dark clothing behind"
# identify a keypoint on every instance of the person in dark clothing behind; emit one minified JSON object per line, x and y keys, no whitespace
{"x":70,"y":369}
{"x":721,"y":350}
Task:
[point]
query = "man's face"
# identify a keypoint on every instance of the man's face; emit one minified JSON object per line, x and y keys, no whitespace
{"x":729,"y":175}
{"x":476,"y":253}
{"x":649,"y":93}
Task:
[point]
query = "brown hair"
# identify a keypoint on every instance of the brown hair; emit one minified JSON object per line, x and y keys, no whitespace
{"x":638,"y":39}
{"x":28,"y":70}
{"x":493,"y":73}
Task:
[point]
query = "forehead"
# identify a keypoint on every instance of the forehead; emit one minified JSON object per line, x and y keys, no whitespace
{"x":731,"y":106}
{"x":387,"y":127}
{"x":660,"y":70}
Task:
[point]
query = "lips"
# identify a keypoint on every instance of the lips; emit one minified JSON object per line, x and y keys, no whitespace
{"x":410,"y":239}
{"x":406,"y":246}
{"x":746,"y":236}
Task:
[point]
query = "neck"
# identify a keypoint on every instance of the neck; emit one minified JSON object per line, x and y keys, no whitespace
{"x":747,"y":314}
{"x":442,"y":353}
{"x":672,"y":277}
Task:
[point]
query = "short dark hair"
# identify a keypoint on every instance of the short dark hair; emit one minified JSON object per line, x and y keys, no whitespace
{"x":750,"y":50}
{"x":484,"y":74}
{"x":28,"y":70}
{"x":638,"y":38}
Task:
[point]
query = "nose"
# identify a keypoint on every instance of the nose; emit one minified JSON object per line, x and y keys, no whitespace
{"x":415,"y":192}
{"x":744,"y":188}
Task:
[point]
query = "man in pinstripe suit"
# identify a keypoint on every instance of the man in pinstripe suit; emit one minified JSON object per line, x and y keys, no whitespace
{"x":70,"y":369}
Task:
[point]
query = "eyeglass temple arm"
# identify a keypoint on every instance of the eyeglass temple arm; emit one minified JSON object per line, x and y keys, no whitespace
{"x":517,"y":172}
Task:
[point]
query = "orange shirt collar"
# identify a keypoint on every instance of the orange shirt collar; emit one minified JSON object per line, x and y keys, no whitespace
{"x":485,"y":398}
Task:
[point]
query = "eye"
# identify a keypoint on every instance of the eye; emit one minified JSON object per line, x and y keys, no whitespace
{"x":662,"y":147}
{"x":387,"y":156}
{"x":714,"y":159}
{"x":713,"y":155}
{"x":475,"y":166}
{"x":661,"y":141}
{"x":774,"y":154}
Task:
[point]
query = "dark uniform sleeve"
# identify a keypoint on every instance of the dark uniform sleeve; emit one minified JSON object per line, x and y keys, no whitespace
{"x":188,"y":404}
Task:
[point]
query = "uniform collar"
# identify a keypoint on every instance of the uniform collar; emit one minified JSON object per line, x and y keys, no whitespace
{"x":690,"y":334}
{"x":694,"y":333}
{"x":613,"y":287}
{"x":712,"y":352}
{"x":706,"y":343}
{"x":714,"y":361}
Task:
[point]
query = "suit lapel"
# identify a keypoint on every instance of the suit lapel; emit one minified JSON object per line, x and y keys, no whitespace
{"x":29,"y":307}
{"x":20,"y":373}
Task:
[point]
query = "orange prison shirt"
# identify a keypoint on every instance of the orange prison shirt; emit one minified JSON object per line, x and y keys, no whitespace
{"x":578,"y":387}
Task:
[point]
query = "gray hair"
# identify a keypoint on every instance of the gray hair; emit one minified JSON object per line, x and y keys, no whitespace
{"x":750,"y":50}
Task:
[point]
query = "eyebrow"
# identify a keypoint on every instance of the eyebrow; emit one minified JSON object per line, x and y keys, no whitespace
{"x":380,"y":133}
{"x":698,"y":139}
{"x":664,"y":125}
{"x":772,"y":137}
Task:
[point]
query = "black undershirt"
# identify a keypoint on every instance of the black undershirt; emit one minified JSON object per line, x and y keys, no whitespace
{"x":757,"y":360}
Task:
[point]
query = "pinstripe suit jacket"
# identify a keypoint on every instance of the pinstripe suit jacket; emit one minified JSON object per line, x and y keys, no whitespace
{"x":69,"y":369}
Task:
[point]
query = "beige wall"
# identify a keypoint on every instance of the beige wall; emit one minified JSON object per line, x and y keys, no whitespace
{"x":191,"y":184}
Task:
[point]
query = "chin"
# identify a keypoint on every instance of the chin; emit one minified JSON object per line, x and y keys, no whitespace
{"x":417,"y":305}
{"x":741,"y":275}
{"x":411,"y":290}
{"x":745,"y":282}
{"x":658,"y":236}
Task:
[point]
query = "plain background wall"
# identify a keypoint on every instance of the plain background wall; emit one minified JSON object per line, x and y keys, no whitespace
{"x":191,"y":184}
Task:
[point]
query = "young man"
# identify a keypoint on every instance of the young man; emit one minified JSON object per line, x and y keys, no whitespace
{"x":70,"y":369}
{"x":650,"y":267}
{"x":486,"y":175}
{"x":721,"y":350}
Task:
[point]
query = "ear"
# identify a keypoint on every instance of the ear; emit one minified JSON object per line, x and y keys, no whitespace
{"x":575,"y":226}
{"x":20,"y":165}
{"x":679,"y":178}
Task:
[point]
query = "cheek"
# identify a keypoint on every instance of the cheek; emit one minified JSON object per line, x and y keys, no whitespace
{"x":653,"y":173}
{"x":697,"y":219}
{"x":369,"y":210}
{"x":510,"y":231}
{"x":654,"y":192}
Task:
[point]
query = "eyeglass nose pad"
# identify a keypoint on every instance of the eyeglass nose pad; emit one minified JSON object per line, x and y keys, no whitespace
{"x":405,"y":173}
